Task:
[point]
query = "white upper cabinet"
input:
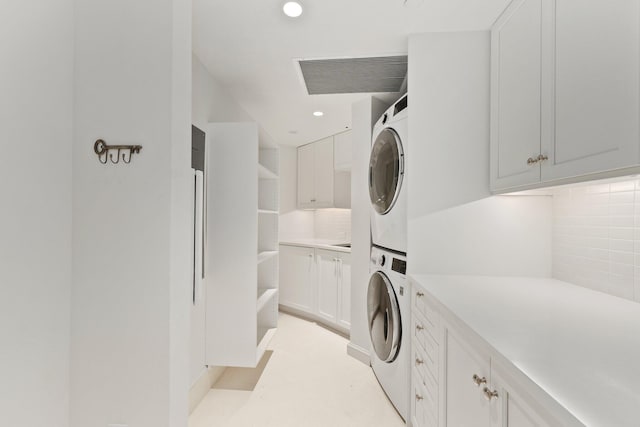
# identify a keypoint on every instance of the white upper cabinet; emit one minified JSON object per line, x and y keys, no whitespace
{"x":565,"y":91}
{"x":320,"y":184}
{"x":342,"y":151}
{"x":323,"y":171}
{"x":516,"y":96}
{"x":306,"y":177}
{"x":596,"y":88}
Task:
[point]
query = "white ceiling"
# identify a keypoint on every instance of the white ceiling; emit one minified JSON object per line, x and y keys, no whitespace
{"x":250,"y":47}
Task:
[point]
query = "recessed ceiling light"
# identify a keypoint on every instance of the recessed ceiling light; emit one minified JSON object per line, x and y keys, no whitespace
{"x":318,"y":113}
{"x":292,"y":9}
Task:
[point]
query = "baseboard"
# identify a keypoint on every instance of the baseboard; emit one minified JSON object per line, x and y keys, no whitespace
{"x":305,"y":315}
{"x":358,"y":353}
{"x":203,"y":384}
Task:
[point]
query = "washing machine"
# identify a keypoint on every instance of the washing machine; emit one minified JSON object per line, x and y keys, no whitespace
{"x":388,"y":313}
{"x":387,"y":179}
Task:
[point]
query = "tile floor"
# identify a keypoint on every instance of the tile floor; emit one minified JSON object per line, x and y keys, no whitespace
{"x":307,"y":381}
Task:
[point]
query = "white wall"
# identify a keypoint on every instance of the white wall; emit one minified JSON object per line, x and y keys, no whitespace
{"x":596,"y":236}
{"x":131,"y":263}
{"x":454,"y":225}
{"x":36,"y":119}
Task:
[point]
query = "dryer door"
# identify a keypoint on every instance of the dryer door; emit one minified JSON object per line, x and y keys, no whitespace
{"x":384,"y":317}
{"x":386,"y":168}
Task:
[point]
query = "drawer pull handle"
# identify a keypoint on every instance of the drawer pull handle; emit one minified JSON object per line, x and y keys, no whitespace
{"x":419,"y":361}
{"x":532,"y":161}
{"x":488,"y":394}
{"x":419,"y":294}
{"x":419,"y":327}
{"x":477,"y":380}
{"x":542,"y":158}
{"x":418,"y":397}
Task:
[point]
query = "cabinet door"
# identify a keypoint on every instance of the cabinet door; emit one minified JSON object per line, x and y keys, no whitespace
{"x":327,"y":262}
{"x":596,"y":76}
{"x":519,"y":408}
{"x":323,"y":166}
{"x":344,"y":297}
{"x":297,"y":273}
{"x":306,"y":176}
{"x":465,"y":402}
{"x":516,"y":95}
{"x":342,"y":151}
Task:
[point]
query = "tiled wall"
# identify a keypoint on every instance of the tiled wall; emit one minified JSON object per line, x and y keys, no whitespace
{"x":596,"y":237}
{"x":333,"y":224}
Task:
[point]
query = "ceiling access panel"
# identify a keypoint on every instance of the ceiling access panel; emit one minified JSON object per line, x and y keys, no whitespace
{"x":354,"y":75}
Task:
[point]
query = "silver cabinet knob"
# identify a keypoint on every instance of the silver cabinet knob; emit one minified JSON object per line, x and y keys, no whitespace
{"x":478,"y":380}
{"x":419,"y":294}
{"x":488,"y":394}
{"x":419,"y":327}
{"x":542,"y":158}
{"x":418,"y":397}
{"x":532,"y":161}
{"x":419,"y":361}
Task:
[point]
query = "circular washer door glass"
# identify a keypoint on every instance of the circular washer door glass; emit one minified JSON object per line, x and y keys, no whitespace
{"x":386,"y":167}
{"x":384,"y":317}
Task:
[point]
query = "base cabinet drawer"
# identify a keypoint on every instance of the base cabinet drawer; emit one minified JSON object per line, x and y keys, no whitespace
{"x":424,"y":412}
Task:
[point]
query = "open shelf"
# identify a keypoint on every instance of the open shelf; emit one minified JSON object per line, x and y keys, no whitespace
{"x":264,"y":173}
{"x":264,"y":296}
{"x":264,"y":336}
{"x":263,"y":256}
{"x":240,"y":291}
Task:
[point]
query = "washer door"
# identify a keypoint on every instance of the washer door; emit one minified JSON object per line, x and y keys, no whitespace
{"x":384,"y":317}
{"x":386,"y":168}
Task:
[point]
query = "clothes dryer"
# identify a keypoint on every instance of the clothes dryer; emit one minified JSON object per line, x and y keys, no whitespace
{"x":387,"y":179}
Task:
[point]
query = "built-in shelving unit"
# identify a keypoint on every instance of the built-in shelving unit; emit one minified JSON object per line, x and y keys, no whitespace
{"x":242,"y":234}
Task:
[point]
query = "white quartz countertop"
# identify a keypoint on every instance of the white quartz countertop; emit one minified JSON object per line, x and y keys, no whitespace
{"x":580,"y":346}
{"x":318,"y":243}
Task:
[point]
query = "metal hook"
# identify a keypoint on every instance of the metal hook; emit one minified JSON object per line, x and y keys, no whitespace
{"x":101,"y":148}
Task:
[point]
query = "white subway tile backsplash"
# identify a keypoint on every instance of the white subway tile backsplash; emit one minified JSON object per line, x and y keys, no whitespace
{"x":333,"y":224}
{"x":596,"y":237}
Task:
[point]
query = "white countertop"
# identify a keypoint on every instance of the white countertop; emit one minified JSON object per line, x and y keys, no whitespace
{"x":580,"y":346}
{"x":318,"y":243}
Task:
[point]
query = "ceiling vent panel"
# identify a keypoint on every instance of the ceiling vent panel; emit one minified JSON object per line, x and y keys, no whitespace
{"x":354,"y":75}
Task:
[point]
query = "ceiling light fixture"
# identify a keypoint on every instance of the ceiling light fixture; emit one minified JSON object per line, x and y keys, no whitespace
{"x":292,"y":9}
{"x":318,"y":113}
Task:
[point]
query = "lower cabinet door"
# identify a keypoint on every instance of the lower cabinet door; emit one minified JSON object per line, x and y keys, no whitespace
{"x":328,"y":269}
{"x":297,"y":277}
{"x":344,"y":301}
{"x":467,"y":374}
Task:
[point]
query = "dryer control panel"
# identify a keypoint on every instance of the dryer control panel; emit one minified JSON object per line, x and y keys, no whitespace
{"x":399,"y":266}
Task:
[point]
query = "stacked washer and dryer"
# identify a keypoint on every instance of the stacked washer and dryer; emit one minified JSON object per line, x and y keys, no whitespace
{"x":388,"y":296}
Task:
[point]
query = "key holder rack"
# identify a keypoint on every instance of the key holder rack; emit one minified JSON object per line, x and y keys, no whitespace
{"x":102,"y":149}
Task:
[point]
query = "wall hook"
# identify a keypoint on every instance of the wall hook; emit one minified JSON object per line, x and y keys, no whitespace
{"x":102,"y":150}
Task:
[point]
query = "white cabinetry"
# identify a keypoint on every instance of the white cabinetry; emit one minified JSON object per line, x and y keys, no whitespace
{"x":297,"y":277}
{"x":324,"y":178}
{"x":315,"y":175}
{"x":565,"y":91}
{"x":596,"y":87}
{"x":242,"y":242}
{"x":316,"y":283}
{"x":334,"y":287}
{"x":342,"y":147}
{"x":472,"y":386}
{"x":515,"y":103}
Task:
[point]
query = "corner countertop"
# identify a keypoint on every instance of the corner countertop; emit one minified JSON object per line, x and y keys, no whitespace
{"x":582,"y":347}
{"x":318,"y":243}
